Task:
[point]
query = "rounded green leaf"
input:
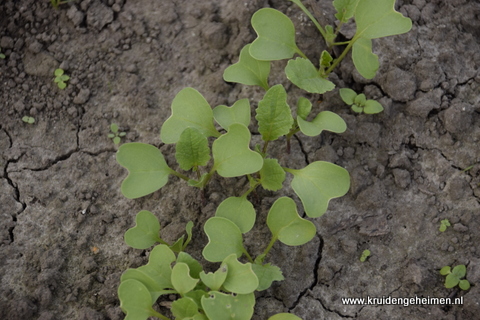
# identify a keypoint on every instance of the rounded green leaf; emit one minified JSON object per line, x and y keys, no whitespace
{"x":114,"y":127}
{"x":445,"y":270}
{"x":240,"y":277}
{"x":232,"y":155}
{"x":357,"y":109}
{"x":286,"y":225}
{"x":224,"y":238}
{"x":238,"y":113}
{"x":317,"y":183}
{"x":62,"y":85}
{"x":58,"y":72}
{"x":189,"y":109}
{"x":372,"y":107}
{"x":304,"y":106}
{"x":145,"y":233}
{"x":184,"y":308}
{"x":365,"y":61}
{"x":215,"y":280}
{"x":181,"y":279}
{"x":325,"y":120}
{"x":464,"y":284}
{"x":348,"y":95}
{"x":238,"y":210}
{"x":272,"y":175}
{"x":194,"y":266}
{"x":284,"y":316}
{"x":304,"y":75}
{"x":266,"y":274}
{"x":276,"y":36}
{"x":222,"y":306}
{"x":248,"y":71}
{"x":451,"y":280}
{"x":192,"y":149}
{"x":460,"y":271}
{"x":147,"y":168}
{"x":273,"y":114}
{"x":135,"y":300}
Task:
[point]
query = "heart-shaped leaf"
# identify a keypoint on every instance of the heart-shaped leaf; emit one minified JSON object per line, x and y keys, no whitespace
{"x":345,"y":9}
{"x":145,"y":233}
{"x":238,"y":113}
{"x":147,"y":169}
{"x":365,"y":61}
{"x":273,"y":114}
{"x":184,"y":308}
{"x":304,"y":75}
{"x":272,"y":175}
{"x":232,"y":155}
{"x":325,"y":120}
{"x":317,"y":183}
{"x":135,"y":301}
{"x":248,"y":70}
{"x":378,"y":18}
{"x":221,"y":306}
{"x":284,"y":316}
{"x":238,"y":210}
{"x":276,"y":36}
{"x":287,"y":226}
{"x":215,"y":280}
{"x":192,"y":149}
{"x":189,"y":109}
{"x":181,"y":279}
{"x":224,"y":238}
{"x":240,"y":277}
{"x":194,"y":266}
{"x":266,"y":274}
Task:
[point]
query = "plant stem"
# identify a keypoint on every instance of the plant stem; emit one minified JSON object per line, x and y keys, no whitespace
{"x":292,"y":171}
{"x":315,"y":22}
{"x":160,"y":240}
{"x":340,"y":58}
{"x":159,"y":315}
{"x":265,"y":145}
{"x":301,"y":54}
{"x":252,"y":187}
{"x":178,"y":174}
{"x":248,"y":255}
{"x":270,"y":245}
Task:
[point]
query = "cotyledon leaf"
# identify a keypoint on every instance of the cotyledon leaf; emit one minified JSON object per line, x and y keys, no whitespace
{"x":284,"y":316}
{"x":184,"y":308}
{"x":181,"y":279}
{"x":240,"y":277}
{"x":238,"y":113}
{"x":192,"y":149}
{"x":272,"y":175}
{"x":304,"y":75}
{"x":145,"y":233}
{"x":224,"y":238}
{"x":222,"y":306}
{"x":215,"y":280}
{"x":238,"y":210}
{"x":325,"y":120}
{"x":135,"y":301}
{"x":365,"y":61}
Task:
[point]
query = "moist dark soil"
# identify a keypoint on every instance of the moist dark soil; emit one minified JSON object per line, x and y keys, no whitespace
{"x":62,"y":216}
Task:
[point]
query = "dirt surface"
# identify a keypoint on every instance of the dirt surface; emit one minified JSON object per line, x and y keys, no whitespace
{"x":62,"y":215}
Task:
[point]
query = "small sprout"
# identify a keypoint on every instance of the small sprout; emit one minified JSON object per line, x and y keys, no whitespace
{"x":2,"y":56}
{"x":29,"y":120}
{"x":115,"y":135}
{"x":365,"y":255}
{"x":359,"y":102}
{"x":61,"y":78}
{"x":454,"y":277}
{"x":444,"y":224}
{"x":56,"y":3}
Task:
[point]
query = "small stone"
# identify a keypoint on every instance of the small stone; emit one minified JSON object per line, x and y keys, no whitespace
{"x":72,"y":111}
{"x":75,"y":15}
{"x":82,"y":96}
{"x":460,"y":227}
{"x":6,"y":43}
{"x":35,"y":47}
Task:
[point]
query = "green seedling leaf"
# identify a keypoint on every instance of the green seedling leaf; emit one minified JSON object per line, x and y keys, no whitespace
{"x":147,"y":168}
{"x":372,"y":107}
{"x":224,"y":238}
{"x":325,"y":120}
{"x":266,"y":274}
{"x":58,"y":72}
{"x":238,"y":113}
{"x":365,"y":255}
{"x":345,"y":9}
{"x":196,"y":295}
{"x":145,"y":233}
{"x":238,"y":210}
{"x":304,"y":75}
{"x":114,"y":127}
{"x":188,"y":230}
{"x":181,"y":279}
{"x":275,"y":36}
{"x":360,"y":100}
{"x":443,"y":226}
{"x":221,"y":306}
{"x":184,"y":308}
{"x":272,"y":175}
{"x":378,"y":18}
{"x":189,"y":109}
{"x":304,"y":107}
{"x":111,"y":135}
{"x":348,"y":95}
{"x":329,"y":34}
{"x":194,"y":266}
{"x":29,"y":120}
{"x":116,"y":140}
{"x":135,"y":301}
{"x":451,"y":281}
{"x":178,"y":245}
{"x":445,"y":270}
{"x":248,"y":70}
{"x":325,"y":59}
{"x":317,"y":183}
{"x":232,"y":155}
{"x":464,"y":284}
{"x":62,"y":85}
{"x":357,"y":109}
{"x":287,"y":226}
{"x":215,"y":280}
{"x":284,"y":316}
{"x":192,"y":149}
{"x":273,"y":114}
{"x":459,"y":271}
{"x":240,"y":277}
{"x":365,"y":61}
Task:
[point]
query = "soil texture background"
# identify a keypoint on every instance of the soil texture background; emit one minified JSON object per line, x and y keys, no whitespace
{"x":62,"y":216}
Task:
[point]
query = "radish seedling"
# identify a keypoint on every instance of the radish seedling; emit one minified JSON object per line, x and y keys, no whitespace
{"x":61,"y":78}
{"x":454,"y":277}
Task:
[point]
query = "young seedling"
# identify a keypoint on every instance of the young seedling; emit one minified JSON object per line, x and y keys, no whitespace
{"x":29,"y":120}
{"x":359,"y":102}
{"x":61,"y":78}
{"x":115,"y":135}
{"x":454,"y":277}
{"x":365,"y":255}
{"x":56,"y":3}
{"x":443,"y":225}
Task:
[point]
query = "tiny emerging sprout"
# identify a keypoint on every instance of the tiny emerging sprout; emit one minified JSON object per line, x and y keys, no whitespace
{"x":29,"y":120}
{"x":444,"y":224}
{"x":115,"y":135}
{"x":365,"y":255}
{"x":2,"y":56}
{"x":61,"y":78}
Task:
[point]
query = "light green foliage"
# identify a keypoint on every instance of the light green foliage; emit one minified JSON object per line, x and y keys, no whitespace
{"x":304,"y":107}
{"x":240,"y":277}
{"x":60,"y":78}
{"x":284,"y":316}
{"x":266,"y":274}
{"x":304,"y":75}
{"x":359,"y":102}
{"x":287,"y":226}
{"x":325,"y":120}
{"x":192,"y":149}
{"x":248,"y":70}
{"x":276,"y":36}
{"x":238,"y":210}
{"x":195,"y":268}
{"x":136,"y":301}
{"x":181,"y":279}
{"x":365,"y":255}
{"x":232,"y":155}
{"x":272,"y":175}
{"x":181,"y":243}
{"x":147,"y":168}
{"x":238,"y":113}
{"x":366,"y":62}
{"x":454,"y":277}
{"x":444,"y":224}
{"x":189,"y":109}
{"x":115,"y":135}
{"x":184,"y":308}
{"x":224,"y":238}
{"x":317,"y":183}
{"x":56,"y":3}
{"x":29,"y":120}
{"x":273,"y":114}
{"x":345,"y":9}
{"x":215,"y":280}
{"x":145,"y":233}
{"x":325,"y":62}
{"x":222,"y":306}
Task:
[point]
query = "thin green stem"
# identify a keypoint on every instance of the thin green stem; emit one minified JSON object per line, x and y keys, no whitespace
{"x":315,"y":22}
{"x":341,"y":43}
{"x":249,"y":257}
{"x":292,"y":171}
{"x":252,"y":187}
{"x":159,"y":315}
{"x":160,"y":240}
{"x":340,"y":58}
{"x":265,"y":145}
{"x":270,"y":245}
{"x":178,"y":174}
{"x":301,"y":54}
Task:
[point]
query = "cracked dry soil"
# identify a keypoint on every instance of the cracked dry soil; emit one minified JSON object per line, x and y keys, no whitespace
{"x":62,"y":216}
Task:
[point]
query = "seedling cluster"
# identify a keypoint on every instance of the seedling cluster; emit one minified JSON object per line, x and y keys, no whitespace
{"x":115,"y":135}
{"x":61,"y":78}
{"x":455,"y":277}
{"x":444,"y":224}
{"x":204,"y":150}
